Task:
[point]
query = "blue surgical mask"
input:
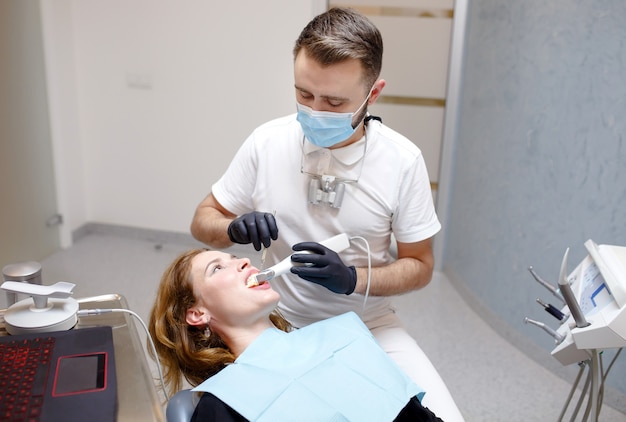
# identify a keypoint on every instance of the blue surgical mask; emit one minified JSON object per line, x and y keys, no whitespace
{"x":326,"y":128}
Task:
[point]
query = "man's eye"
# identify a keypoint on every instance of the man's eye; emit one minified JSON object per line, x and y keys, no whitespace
{"x":335,"y":103}
{"x":305,"y":95}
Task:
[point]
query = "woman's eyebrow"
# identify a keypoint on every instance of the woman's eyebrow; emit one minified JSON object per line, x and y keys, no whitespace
{"x":218,"y":259}
{"x":209,"y":264}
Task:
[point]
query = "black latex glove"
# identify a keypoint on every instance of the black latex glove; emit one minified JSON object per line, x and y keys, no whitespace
{"x":255,"y":227}
{"x":325,"y":268}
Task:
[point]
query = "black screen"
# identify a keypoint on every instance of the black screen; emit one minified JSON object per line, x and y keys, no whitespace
{"x":79,"y":374}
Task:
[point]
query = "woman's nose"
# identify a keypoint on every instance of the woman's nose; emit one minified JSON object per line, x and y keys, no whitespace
{"x":243,"y":263}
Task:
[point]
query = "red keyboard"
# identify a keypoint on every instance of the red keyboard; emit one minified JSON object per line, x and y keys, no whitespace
{"x":24,"y":366}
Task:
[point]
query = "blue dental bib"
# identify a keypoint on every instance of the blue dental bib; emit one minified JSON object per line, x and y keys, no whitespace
{"x":333,"y":370}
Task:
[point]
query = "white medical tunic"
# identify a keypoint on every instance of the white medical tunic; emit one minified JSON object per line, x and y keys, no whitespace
{"x":387,"y":191}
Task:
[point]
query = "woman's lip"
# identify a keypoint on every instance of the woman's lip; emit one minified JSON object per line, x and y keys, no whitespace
{"x":261,"y":285}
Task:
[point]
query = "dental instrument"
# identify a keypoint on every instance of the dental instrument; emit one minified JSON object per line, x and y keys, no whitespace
{"x":558,"y":338}
{"x":264,"y":253}
{"x":595,"y":298}
{"x":546,"y":284}
{"x":552,"y":310}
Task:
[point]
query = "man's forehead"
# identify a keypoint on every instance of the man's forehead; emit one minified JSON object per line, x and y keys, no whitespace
{"x":339,"y":80}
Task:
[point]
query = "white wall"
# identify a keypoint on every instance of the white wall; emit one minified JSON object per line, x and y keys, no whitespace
{"x":26,"y":168}
{"x":151,"y":99}
{"x":62,"y":88}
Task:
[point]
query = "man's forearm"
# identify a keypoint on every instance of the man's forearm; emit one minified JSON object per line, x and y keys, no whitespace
{"x":401,"y":276}
{"x":210,"y":226}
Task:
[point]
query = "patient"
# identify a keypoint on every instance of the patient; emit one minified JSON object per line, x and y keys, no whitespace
{"x":228,"y":341}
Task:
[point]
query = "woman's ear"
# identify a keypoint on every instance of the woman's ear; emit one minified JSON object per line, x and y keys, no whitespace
{"x":197,"y":317}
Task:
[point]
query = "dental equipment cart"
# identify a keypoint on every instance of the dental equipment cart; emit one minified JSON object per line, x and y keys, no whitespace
{"x":592,"y":319}
{"x":137,"y":396}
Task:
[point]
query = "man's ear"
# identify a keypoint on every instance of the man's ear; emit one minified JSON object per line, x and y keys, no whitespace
{"x":378,"y":88}
{"x":197,"y":316}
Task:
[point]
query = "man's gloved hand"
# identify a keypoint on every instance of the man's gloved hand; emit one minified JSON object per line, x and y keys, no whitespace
{"x":255,"y":227}
{"x":326,"y":268}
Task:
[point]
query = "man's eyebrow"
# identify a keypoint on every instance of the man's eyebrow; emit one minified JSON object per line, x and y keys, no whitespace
{"x":328,"y":97}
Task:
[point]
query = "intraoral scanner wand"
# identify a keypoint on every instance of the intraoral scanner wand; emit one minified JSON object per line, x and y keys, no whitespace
{"x":336,"y":243}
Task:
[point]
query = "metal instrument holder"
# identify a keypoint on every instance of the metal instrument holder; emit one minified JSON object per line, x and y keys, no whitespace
{"x":596,"y":320}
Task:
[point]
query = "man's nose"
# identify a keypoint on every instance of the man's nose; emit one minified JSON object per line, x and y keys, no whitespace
{"x":319,"y":104}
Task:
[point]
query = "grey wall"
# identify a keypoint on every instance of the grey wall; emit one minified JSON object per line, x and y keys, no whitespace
{"x":540,"y":156}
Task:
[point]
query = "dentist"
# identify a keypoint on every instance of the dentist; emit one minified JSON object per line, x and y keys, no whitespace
{"x":330,"y":168}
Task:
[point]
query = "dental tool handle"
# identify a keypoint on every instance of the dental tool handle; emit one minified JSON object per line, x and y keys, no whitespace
{"x":552,"y":310}
{"x":572,"y":304}
{"x":337,"y":243}
{"x":568,"y":294}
